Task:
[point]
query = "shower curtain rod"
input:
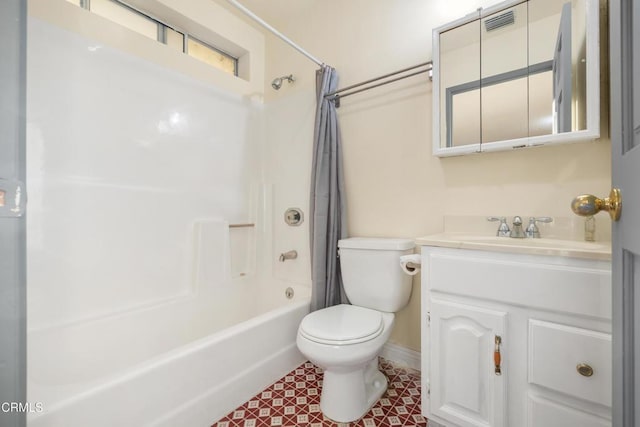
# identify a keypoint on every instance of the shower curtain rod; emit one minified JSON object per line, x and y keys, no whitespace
{"x":275,"y":32}
{"x":336,"y":94}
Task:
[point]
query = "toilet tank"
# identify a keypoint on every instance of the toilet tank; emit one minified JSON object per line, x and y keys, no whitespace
{"x":371,"y":272}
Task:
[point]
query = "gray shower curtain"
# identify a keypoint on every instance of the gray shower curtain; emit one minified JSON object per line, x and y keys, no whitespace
{"x":328,"y":219}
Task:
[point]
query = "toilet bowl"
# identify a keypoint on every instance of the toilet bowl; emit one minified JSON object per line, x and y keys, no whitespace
{"x":345,"y":340}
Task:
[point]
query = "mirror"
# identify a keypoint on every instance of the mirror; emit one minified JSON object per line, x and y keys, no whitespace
{"x":504,"y":82}
{"x":517,"y":74}
{"x":460,"y":123}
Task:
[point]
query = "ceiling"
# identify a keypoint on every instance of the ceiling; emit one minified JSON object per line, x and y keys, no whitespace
{"x":277,"y":12}
{"x":274,"y":12}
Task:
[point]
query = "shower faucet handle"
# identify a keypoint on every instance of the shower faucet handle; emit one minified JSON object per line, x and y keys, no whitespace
{"x":503,"y":228}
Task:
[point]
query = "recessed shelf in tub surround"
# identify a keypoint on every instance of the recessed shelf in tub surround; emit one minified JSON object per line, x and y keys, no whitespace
{"x":223,"y":250}
{"x":562,"y":237}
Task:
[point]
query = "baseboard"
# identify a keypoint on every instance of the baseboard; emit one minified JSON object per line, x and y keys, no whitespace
{"x":402,"y":356}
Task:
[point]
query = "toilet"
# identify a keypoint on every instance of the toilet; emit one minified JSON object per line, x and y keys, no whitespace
{"x":345,"y":340}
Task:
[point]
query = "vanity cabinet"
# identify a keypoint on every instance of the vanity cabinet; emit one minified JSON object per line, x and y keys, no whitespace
{"x":515,"y":339}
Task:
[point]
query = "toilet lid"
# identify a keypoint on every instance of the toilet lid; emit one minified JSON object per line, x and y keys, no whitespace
{"x":342,"y":324}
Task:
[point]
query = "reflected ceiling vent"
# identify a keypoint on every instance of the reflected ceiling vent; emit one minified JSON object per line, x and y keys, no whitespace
{"x":500,"y":21}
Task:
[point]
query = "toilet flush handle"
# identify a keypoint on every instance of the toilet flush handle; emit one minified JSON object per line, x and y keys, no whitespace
{"x":288,"y":255}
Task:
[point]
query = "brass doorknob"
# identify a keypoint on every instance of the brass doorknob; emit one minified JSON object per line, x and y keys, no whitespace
{"x":587,"y":204}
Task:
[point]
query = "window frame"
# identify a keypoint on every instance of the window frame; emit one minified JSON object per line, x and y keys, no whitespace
{"x":161,"y":34}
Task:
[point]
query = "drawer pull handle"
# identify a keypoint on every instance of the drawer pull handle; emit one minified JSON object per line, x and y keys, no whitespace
{"x":584,"y":369}
{"x":497,"y":359}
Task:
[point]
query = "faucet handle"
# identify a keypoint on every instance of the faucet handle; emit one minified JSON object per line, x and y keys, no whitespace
{"x":503,"y":228}
{"x":541,"y":219}
{"x":532,"y":230}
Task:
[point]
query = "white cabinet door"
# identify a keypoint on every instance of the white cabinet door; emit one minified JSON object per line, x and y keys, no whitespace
{"x":465,"y":388}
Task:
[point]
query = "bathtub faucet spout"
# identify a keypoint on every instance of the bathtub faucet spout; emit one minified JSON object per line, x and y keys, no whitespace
{"x":288,"y":255}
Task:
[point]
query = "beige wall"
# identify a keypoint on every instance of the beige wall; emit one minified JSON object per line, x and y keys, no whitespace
{"x":395,"y":187}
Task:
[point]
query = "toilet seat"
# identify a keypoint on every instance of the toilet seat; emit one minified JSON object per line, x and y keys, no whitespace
{"x":341,"y":325}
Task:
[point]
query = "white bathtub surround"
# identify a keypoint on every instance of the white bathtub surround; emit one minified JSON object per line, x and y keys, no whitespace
{"x":144,"y":307}
{"x":151,"y":367}
{"x":122,"y":157}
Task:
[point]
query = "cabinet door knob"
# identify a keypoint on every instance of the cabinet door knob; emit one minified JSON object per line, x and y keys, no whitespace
{"x":584,"y":369}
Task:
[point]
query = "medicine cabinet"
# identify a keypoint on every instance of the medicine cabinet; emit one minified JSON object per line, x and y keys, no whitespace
{"x":517,"y":74}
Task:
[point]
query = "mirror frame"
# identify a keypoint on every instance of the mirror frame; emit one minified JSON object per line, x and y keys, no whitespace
{"x":592,"y":130}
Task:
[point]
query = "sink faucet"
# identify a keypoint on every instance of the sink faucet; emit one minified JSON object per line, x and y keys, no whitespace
{"x":532,"y":229}
{"x":516,"y":229}
{"x":503,"y":228}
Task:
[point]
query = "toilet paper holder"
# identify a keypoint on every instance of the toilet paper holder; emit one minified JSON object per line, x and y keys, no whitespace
{"x":411,"y":264}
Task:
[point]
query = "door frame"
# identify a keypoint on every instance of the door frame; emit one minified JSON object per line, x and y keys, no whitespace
{"x":624,"y":308}
{"x":13,"y":310}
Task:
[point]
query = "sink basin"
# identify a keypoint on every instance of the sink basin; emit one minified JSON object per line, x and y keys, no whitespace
{"x":543,"y":246}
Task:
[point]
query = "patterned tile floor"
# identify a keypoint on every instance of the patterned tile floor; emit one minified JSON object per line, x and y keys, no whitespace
{"x":295,"y":401}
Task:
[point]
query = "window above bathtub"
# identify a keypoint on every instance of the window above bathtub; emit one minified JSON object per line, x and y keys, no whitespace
{"x":142,"y":23}
{"x":210,"y":28}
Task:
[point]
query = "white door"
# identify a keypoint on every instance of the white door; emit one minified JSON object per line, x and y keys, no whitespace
{"x":465,"y":385}
{"x":625,"y":137}
{"x":12,"y":221}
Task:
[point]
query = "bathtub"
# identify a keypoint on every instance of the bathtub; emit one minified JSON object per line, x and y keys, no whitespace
{"x":184,"y":362}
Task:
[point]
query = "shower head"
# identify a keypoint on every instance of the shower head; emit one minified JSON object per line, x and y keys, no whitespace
{"x":277,"y":82}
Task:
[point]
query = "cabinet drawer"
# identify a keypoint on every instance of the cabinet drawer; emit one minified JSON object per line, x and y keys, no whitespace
{"x":544,"y":413}
{"x":576,"y":288}
{"x":555,"y":351}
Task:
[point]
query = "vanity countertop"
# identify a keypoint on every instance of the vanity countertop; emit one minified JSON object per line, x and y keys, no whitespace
{"x":543,"y":246}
